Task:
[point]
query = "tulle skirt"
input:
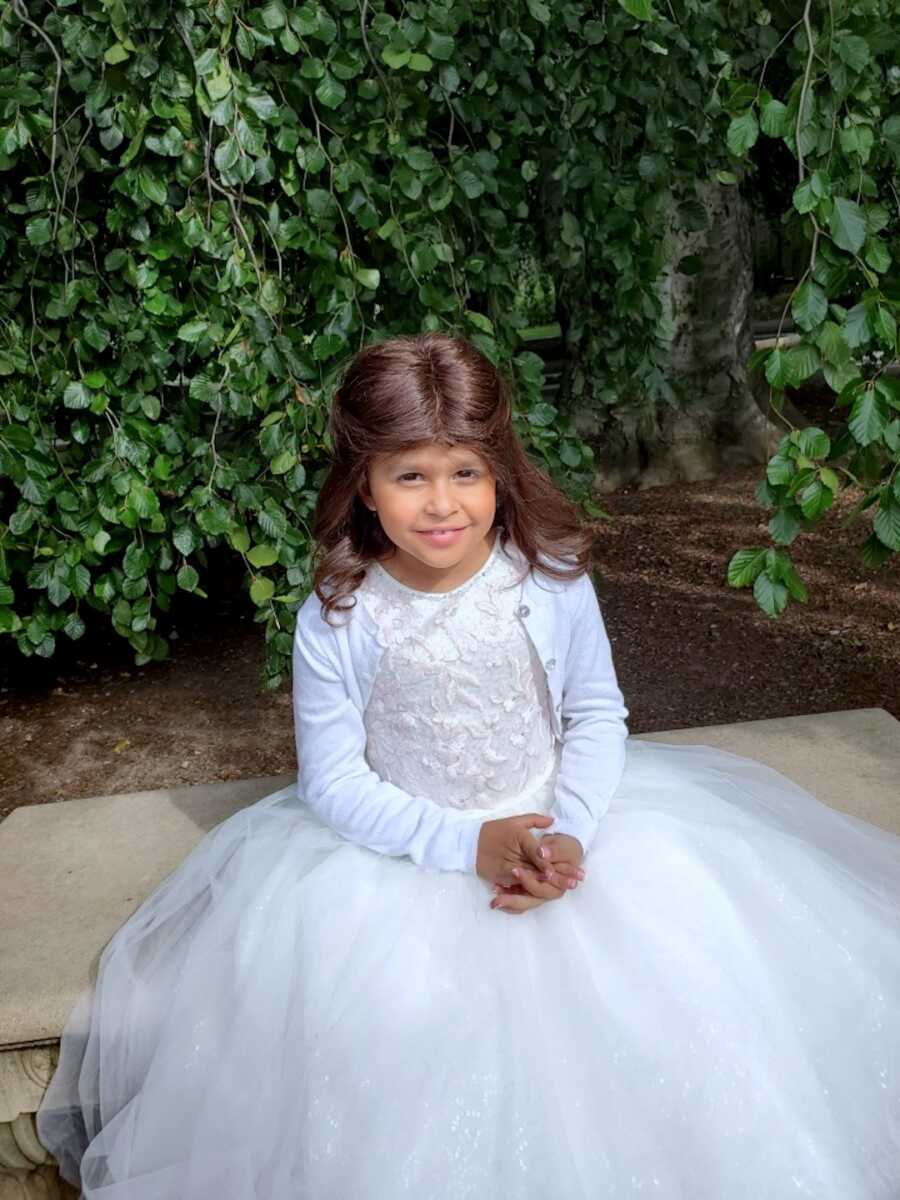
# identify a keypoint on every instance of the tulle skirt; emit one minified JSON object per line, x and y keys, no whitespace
{"x":712,"y":1014}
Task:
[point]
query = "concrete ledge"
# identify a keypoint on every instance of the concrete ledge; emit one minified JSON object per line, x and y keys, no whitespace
{"x":848,"y":759}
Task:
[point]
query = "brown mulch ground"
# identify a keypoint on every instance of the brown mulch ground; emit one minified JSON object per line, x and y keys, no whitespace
{"x":689,"y":652}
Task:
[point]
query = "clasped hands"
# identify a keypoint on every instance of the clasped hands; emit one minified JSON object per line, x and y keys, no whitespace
{"x":511,"y":859}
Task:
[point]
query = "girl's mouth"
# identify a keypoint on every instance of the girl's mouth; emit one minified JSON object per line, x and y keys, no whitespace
{"x":442,"y":537}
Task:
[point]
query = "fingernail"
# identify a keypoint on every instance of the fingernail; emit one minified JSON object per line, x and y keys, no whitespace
{"x":545,"y":853}
{"x":515,"y":872}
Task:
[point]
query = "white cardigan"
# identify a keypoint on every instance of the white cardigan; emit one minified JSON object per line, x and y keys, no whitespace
{"x":333,"y":673}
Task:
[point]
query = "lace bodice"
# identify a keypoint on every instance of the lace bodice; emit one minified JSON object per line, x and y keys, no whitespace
{"x":459,"y":709}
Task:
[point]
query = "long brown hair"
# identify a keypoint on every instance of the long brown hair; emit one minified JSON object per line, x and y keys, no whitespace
{"x":440,"y":389}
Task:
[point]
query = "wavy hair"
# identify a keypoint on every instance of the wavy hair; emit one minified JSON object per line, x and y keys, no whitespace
{"x":435,"y":388}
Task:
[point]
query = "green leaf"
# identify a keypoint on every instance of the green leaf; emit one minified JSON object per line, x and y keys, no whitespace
{"x":263,"y":555}
{"x":326,"y":345}
{"x":215,"y":519}
{"x":815,"y":499}
{"x":869,"y":416}
{"x":784,"y":524}
{"x":152,"y":187}
{"x":76,"y":395}
{"x":745,"y":565}
{"x":218,"y":83}
{"x":39,"y":231}
{"x":542,"y":414}
{"x":227,"y":153}
{"x":770,"y":595}
{"x":440,"y":45}
{"x":857,"y":327}
{"x":775,"y":371}
{"x":808,"y":193}
{"x":331,"y":92}
{"x":135,"y":561}
{"x":877,"y":255}
{"x":642,"y":9}
{"x":540,"y":11}
{"x":480,"y":321}
{"x":115,"y":54}
{"x":887,"y":521}
{"x":773,"y":118}
{"x":273,"y":14}
{"x":187,"y":578}
{"x":396,"y":56}
{"x":192,"y":331}
{"x":420,"y":62}
{"x":890,"y":389}
{"x":283,"y":462}
{"x":853,"y":50}
{"x":847,"y":224}
{"x":885,"y":326}
{"x":874,"y":552}
{"x":261,"y":590}
{"x":185,"y":539}
{"x":74,"y":627}
{"x":810,"y":305}
{"x":368,"y":277}
{"x":812,"y":442}
{"x":144,"y":501}
{"x":743,"y":132}
{"x":830,"y":479}
{"x":800,"y":362}
{"x":58,"y":591}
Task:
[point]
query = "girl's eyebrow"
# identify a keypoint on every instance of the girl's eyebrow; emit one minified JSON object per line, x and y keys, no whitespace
{"x":410,"y":464}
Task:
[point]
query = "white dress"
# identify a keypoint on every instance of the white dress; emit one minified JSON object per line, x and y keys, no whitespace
{"x":712,"y":1014}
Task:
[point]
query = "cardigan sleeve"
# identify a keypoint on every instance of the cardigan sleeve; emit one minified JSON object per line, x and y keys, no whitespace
{"x":336,"y":782}
{"x":594,"y":725}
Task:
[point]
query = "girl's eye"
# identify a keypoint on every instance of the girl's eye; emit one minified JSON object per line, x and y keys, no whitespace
{"x":464,"y":471}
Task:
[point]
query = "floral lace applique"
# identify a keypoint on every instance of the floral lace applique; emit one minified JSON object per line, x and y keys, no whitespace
{"x":459,"y":709}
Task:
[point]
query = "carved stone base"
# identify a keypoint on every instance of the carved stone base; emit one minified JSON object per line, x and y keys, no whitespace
{"x":27,"y":1170}
{"x":39,"y":1183}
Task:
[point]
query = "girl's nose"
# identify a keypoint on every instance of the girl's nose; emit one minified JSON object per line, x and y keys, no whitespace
{"x":440,"y":502}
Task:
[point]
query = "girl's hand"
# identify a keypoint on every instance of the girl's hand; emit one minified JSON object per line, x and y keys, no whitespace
{"x":566,"y":855}
{"x":507,"y":842}
{"x":562,"y":872}
{"x":529,"y":892}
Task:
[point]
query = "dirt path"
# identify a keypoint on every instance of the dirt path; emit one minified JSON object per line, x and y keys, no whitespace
{"x":689,"y":652}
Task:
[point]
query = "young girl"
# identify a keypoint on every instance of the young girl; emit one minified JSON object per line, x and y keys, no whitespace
{"x":327,"y":1000}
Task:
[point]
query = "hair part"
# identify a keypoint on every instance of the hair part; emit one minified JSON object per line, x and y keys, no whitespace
{"x":432,"y":388}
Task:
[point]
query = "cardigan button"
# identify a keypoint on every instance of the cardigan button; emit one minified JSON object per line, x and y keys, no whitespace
{"x":523,"y":610}
{"x":550,"y":664}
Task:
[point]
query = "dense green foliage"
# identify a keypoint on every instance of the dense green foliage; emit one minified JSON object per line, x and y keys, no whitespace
{"x":205,"y":211}
{"x":838,"y":116}
{"x":208,"y":207}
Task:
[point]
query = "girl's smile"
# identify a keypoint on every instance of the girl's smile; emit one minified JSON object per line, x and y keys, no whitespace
{"x":443,"y":537}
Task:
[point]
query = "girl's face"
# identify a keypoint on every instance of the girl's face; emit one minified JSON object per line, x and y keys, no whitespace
{"x":429,"y":488}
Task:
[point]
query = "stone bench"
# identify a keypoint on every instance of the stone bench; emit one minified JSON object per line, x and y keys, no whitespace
{"x":71,"y":873}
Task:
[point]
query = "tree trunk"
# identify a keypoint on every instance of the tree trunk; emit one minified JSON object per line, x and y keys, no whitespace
{"x":726,"y":421}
